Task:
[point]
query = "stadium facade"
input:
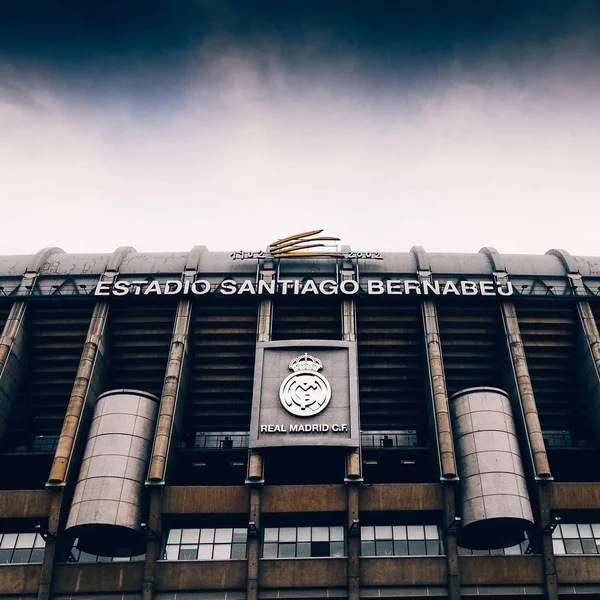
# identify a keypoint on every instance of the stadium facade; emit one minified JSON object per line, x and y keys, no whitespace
{"x":258,"y":425}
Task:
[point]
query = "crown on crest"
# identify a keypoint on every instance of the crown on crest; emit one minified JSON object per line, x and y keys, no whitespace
{"x":305,"y":362}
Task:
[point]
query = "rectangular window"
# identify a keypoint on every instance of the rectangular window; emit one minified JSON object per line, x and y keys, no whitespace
{"x":521,"y":548}
{"x":76,"y":555}
{"x":303,"y":542}
{"x":208,"y":543}
{"x":401,"y":540}
{"x":580,"y":538}
{"x":21,"y":548}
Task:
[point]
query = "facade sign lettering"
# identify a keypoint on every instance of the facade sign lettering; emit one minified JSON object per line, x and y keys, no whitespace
{"x":300,"y":287}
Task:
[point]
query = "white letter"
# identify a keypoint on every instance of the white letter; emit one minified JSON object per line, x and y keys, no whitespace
{"x":121,"y":288}
{"x":266,"y":287}
{"x":434,"y":287}
{"x":487,"y":288}
{"x":203,"y":282}
{"x":310,"y":286}
{"x":374,"y":286}
{"x":411,"y":284}
{"x":136,"y":286}
{"x":153,"y":288}
{"x":450,"y":287}
{"x":509,"y":289}
{"x":228,"y":287}
{"x":102,"y":288}
{"x":329,"y":290}
{"x":284,"y":285}
{"x":469,"y":288}
{"x":354,"y":287}
{"x":170,"y":282}
{"x":394,"y":286}
{"x":247,"y":286}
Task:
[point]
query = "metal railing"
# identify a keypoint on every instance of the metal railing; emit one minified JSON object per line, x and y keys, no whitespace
{"x":389,"y":439}
{"x":239,"y":440}
{"x":226,"y":440}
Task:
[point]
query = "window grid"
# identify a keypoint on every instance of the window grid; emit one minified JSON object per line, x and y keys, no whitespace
{"x":303,"y":542}
{"x":44,"y":444}
{"x":206,"y":544}
{"x":511,"y":550}
{"x":21,"y":548}
{"x":401,"y":540}
{"x":79,"y":556}
{"x":580,"y":538}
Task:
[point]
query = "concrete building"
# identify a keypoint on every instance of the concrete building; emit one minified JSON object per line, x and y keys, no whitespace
{"x":207,"y":425}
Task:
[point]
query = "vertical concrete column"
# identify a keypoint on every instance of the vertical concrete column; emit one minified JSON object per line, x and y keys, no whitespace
{"x":167,"y":432}
{"x":450,"y":541}
{"x":255,"y":479}
{"x":13,"y":360}
{"x":589,"y":367}
{"x":440,"y":413}
{"x":13,"y":339}
{"x":154,"y":541}
{"x":254,"y":533}
{"x":353,"y":542}
{"x":524,"y":390}
{"x":171,"y":402}
{"x":55,"y":517}
{"x":439,"y":394}
{"x":353,"y":458}
{"x":88,"y":385}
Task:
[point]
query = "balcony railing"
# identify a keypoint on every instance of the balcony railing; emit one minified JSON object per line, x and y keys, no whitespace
{"x":239,"y":440}
{"x":226,"y":440}
{"x":389,"y":439}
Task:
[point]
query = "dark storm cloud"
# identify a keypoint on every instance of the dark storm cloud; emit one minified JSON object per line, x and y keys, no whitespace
{"x":385,"y":38}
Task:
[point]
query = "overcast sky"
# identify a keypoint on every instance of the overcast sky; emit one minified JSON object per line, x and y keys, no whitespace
{"x":165,"y":124}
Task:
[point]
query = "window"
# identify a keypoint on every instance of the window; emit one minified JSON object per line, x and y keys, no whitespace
{"x":206,"y":544}
{"x":581,"y":538}
{"x":303,"y":542}
{"x":21,"y":548}
{"x":401,"y":540}
{"x":44,"y":444}
{"x":522,"y":548}
{"x":389,"y":439}
{"x":77,"y":555}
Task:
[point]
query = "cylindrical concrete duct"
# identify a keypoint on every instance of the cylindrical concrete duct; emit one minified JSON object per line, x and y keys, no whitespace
{"x":496,"y":509}
{"x":106,"y":511}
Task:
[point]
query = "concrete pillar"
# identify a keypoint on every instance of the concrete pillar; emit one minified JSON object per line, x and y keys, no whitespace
{"x":88,"y":385}
{"x":353,"y":459}
{"x":589,"y":361}
{"x":439,"y":395}
{"x":254,"y":533}
{"x":55,"y":517}
{"x":255,"y":479}
{"x":544,"y":489}
{"x":169,"y":421}
{"x":440,"y":414}
{"x":154,"y":541}
{"x":13,"y":360}
{"x":173,"y":394}
{"x":450,"y":541}
{"x":353,"y":542}
{"x":524,"y":391}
